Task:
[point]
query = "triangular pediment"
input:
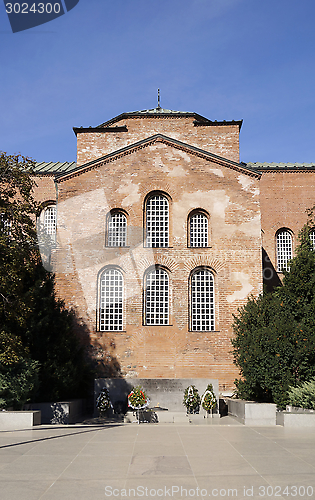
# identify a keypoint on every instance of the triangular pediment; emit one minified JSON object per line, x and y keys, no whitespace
{"x":149,"y":141}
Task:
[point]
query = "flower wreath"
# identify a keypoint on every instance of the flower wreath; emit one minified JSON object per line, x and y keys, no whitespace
{"x":103,"y":402}
{"x":191,"y":398}
{"x":137,"y":399}
{"x":208,"y":400}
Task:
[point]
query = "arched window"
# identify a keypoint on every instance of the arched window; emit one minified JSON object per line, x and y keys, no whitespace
{"x":202,"y":301}
{"x":111,"y":301}
{"x":50,"y":221}
{"x":5,"y":225}
{"x":284,"y":250}
{"x":157,"y":221}
{"x":116,"y":229}
{"x":312,"y":238}
{"x":156,"y":297}
{"x":198,"y":229}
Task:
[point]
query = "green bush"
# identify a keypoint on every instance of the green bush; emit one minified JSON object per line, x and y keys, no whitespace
{"x":303,"y":396}
{"x":274,"y":343}
{"x":18,"y":383}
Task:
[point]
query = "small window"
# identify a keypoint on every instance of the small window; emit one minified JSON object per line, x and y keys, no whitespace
{"x":117,"y":230}
{"x":157,"y":221}
{"x":5,"y":225}
{"x":111,"y":300}
{"x":312,"y":238}
{"x":284,"y":250}
{"x":50,"y":221}
{"x":156,"y":297}
{"x":202,"y":301}
{"x":198,"y":230}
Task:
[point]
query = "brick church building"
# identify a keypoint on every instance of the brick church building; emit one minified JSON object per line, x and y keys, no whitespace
{"x":158,"y":234}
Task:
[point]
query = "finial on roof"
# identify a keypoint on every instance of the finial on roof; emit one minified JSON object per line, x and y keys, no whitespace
{"x":159,"y":107}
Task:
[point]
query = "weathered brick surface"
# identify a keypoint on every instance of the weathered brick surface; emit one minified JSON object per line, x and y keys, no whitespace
{"x":45,"y":190}
{"x":230,"y":197}
{"x":245,"y":213}
{"x":284,"y":198}
{"x":222,"y":140}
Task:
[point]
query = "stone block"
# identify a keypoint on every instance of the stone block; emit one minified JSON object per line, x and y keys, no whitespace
{"x":252,"y":413}
{"x":61,"y":412}
{"x":14,"y":420}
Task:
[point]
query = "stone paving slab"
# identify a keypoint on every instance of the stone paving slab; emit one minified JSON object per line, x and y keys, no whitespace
{"x":94,"y":462}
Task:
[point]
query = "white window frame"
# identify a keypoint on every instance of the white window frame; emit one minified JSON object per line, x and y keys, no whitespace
{"x":50,"y":221}
{"x":117,"y":229}
{"x":312,"y":237}
{"x":156,"y":297}
{"x":284,"y":249}
{"x":157,"y":221}
{"x":111,"y":301}
{"x":198,"y":230}
{"x":5,"y":225}
{"x":202,"y":300}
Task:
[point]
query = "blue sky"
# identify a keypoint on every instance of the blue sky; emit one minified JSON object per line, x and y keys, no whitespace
{"x":224,"y":59}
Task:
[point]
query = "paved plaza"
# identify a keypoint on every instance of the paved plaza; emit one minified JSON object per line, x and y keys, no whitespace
{"x":221,"y":460}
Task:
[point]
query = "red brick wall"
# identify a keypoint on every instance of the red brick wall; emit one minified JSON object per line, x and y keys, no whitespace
{"x":222,"y":140}
{"x":45,"y":190}
{"x":232,"y":200}
{"x":284,"y":198}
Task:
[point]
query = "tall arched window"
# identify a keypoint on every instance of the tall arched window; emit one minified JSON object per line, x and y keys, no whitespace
{"x":312,"y":238}
{"x":50,"y":221}
{"x":111,"y":300}
{"x":284,"y":250}
{"x":202,"y":313}
{"x":5,"y":225}
{"x":156,"y":297}
{"x":157,"y":221}
{"x":198,"y":229}
{"x":116,"y":229}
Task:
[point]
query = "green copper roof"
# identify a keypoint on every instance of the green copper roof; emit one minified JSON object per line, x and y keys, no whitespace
{"x":53,"y":168}
{"x":161,"y":112}
{"x":46,"y":168}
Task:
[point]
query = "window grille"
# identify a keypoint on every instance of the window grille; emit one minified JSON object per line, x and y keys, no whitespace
{"x":111,"y":301}
{"x":198,"y":230}
{"x":117,"y":230}
{"x":157,"y":298}
{"x":157,"y":222}
{"x":5,"y":225}
{"x":50,"y":221}
{"x":284,"y":250}
{"x":202,"y":301}
{"x":312,"y":238}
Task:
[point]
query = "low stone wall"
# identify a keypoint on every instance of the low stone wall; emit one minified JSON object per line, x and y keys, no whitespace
{"x":14,"y":420}
{"x":171,"y":417}
{"x":296,"y":417}
{"x":165,"y":393}
{"x":61,"y":412}
{"x":252,"y":413}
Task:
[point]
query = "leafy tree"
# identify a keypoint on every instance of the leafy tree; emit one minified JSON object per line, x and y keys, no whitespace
{"x":274,"y":343}
{"x":50,"y":336}
{"x":18,"y":252}
{"x":37,"y":338}
{"x":18,"y":373}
